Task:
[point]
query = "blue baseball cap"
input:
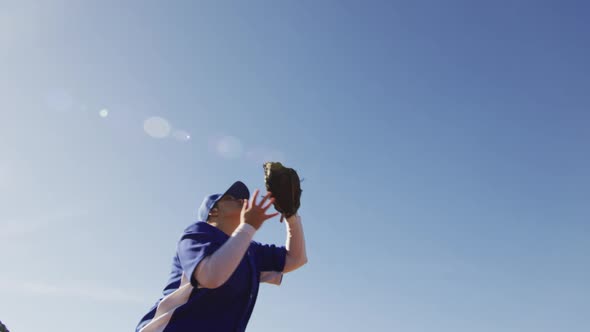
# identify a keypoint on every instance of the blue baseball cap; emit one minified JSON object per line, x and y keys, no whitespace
{"x":237,"y":190}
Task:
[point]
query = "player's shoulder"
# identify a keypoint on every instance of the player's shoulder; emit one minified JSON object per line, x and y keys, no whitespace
{"x":256,"y":243}
{"x":198,"y":227}
{"x":203,"y":230}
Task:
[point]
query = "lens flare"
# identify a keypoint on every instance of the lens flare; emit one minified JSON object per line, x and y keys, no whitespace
{"x":229,"y":147}
{"x":156,"y":127}
{"x":181,"y":135}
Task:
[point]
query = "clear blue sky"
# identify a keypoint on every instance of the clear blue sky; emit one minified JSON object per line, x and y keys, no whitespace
{"x":444,"y":146}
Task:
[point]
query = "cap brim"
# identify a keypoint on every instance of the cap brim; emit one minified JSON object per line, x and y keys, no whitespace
{"x":238,"y":190}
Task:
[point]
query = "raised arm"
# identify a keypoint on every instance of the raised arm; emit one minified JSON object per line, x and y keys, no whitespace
{"x":215,"y":270}
{"x":295,"y":244}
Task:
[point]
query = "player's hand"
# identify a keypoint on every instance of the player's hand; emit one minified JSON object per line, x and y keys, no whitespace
{"x":254,"y":213}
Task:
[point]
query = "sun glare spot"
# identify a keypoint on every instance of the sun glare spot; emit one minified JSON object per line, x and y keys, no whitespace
{"x":229,"y":147}
{"x":156,"y":127}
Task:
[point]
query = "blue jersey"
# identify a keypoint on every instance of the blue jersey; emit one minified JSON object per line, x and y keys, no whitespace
{"x":186,"y":306}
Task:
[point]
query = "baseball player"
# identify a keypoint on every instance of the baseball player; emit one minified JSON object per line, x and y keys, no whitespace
{"x":217,"y":268}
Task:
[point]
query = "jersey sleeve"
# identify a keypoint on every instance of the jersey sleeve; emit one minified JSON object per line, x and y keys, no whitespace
{"x":192,"y":248}
{"x":269,"y":257}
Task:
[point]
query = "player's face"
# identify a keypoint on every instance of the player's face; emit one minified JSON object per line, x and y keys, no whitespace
{"x":229,"y":206}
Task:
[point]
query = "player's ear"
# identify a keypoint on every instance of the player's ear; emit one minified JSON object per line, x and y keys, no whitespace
{"x":213,"y":212}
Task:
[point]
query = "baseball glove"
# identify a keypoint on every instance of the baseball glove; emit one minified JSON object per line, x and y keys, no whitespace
{"x":285,"y":186}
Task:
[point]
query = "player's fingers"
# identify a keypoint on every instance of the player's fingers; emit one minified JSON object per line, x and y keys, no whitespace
{"x":270,"y":202}
{"x":254,"y":198}
{"x":265,"y":198}
{"x":268,"y":216}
